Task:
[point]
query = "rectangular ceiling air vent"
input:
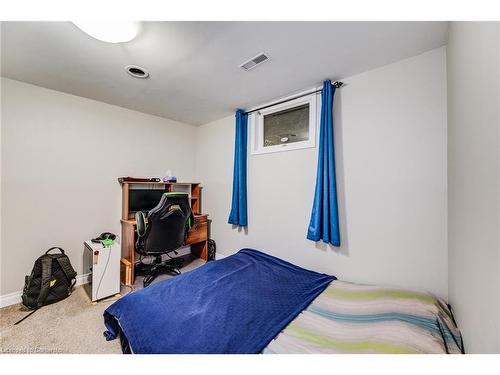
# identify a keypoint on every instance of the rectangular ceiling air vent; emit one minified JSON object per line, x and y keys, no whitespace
{"x":254,"y":61}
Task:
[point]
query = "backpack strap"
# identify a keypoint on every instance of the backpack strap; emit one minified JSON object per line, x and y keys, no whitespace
{"x":67,"y":268}
{"x":26,"y":317}
{"x":45,"y":282}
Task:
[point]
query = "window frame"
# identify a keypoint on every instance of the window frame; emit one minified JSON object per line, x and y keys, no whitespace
{"x":256,"y":122}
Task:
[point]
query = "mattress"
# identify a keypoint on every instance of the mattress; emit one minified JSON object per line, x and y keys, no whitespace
{"x":235,"y":305}
{"x":354,"y":318}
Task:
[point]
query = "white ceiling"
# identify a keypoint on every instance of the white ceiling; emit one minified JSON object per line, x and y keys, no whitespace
{"x":194,"y":66}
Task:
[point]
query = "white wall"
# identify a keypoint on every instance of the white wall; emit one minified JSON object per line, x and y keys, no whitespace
{"x":474,"y":182}
{"x":390,"y":136}
{"x":61,"y":156}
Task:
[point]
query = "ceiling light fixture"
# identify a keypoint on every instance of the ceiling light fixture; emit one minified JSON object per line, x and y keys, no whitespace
{"x":137,"y":71}
{"x":110,"y":31}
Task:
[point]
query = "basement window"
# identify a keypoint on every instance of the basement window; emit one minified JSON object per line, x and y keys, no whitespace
{"x":284,"y":127}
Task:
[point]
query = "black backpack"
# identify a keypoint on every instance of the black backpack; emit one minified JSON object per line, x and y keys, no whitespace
{"x":51,"y":280}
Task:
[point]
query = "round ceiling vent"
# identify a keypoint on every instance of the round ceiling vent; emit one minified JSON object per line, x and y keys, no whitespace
{"x":137,"y":71}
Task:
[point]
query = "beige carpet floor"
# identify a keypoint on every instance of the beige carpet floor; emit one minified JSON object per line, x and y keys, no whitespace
{"x":73,"y":325}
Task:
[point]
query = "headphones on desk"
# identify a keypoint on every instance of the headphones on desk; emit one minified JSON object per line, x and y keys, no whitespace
{"x":104,"y":237}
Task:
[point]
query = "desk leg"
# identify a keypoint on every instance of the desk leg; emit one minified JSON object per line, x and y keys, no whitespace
{"x":200,"y":249}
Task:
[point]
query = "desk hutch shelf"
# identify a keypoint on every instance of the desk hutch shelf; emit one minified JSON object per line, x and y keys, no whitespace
{"x":192,"y":188}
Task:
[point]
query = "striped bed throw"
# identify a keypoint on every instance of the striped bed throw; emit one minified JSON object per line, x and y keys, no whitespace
{"x":354,"y":318}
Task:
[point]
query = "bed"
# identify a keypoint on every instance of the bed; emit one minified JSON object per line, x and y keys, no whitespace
{"x":252,"y":302}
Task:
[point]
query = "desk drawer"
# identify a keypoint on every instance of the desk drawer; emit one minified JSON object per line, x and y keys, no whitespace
{"x":198,"y":233}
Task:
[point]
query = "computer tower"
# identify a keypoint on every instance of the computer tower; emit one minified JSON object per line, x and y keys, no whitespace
{"x":102,"y":264}
{"x":211,"y":243}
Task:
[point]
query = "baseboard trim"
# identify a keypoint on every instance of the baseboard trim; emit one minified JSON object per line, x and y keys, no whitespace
{"x":15,"y":297}
{"x":10,"y":299}
{"x":82,"y":279}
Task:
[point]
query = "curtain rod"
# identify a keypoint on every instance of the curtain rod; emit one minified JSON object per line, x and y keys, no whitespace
{"x":337,"y":84}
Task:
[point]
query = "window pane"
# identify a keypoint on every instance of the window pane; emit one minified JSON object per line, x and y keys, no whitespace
{"x":287,"y":126}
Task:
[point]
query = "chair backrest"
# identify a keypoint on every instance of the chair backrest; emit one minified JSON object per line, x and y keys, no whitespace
{"x":167,"y":225}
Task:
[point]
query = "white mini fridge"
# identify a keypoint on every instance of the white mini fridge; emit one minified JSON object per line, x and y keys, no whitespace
{"x":102,"y":264}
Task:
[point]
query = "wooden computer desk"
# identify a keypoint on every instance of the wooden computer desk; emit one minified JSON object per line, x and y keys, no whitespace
{"x":197,"y":236}
{"x":197,"y":239}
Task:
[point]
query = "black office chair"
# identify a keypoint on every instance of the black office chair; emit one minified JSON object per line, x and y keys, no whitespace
{"x":162,"y":232}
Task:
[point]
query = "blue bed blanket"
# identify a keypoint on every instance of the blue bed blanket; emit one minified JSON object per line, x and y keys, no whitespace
{"x":234,"y":305}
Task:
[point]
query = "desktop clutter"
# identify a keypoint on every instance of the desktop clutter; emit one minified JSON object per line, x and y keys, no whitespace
{"x":167,"y":178}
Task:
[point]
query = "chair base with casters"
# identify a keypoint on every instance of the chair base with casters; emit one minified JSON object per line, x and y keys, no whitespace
{"x":157,"y":268}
